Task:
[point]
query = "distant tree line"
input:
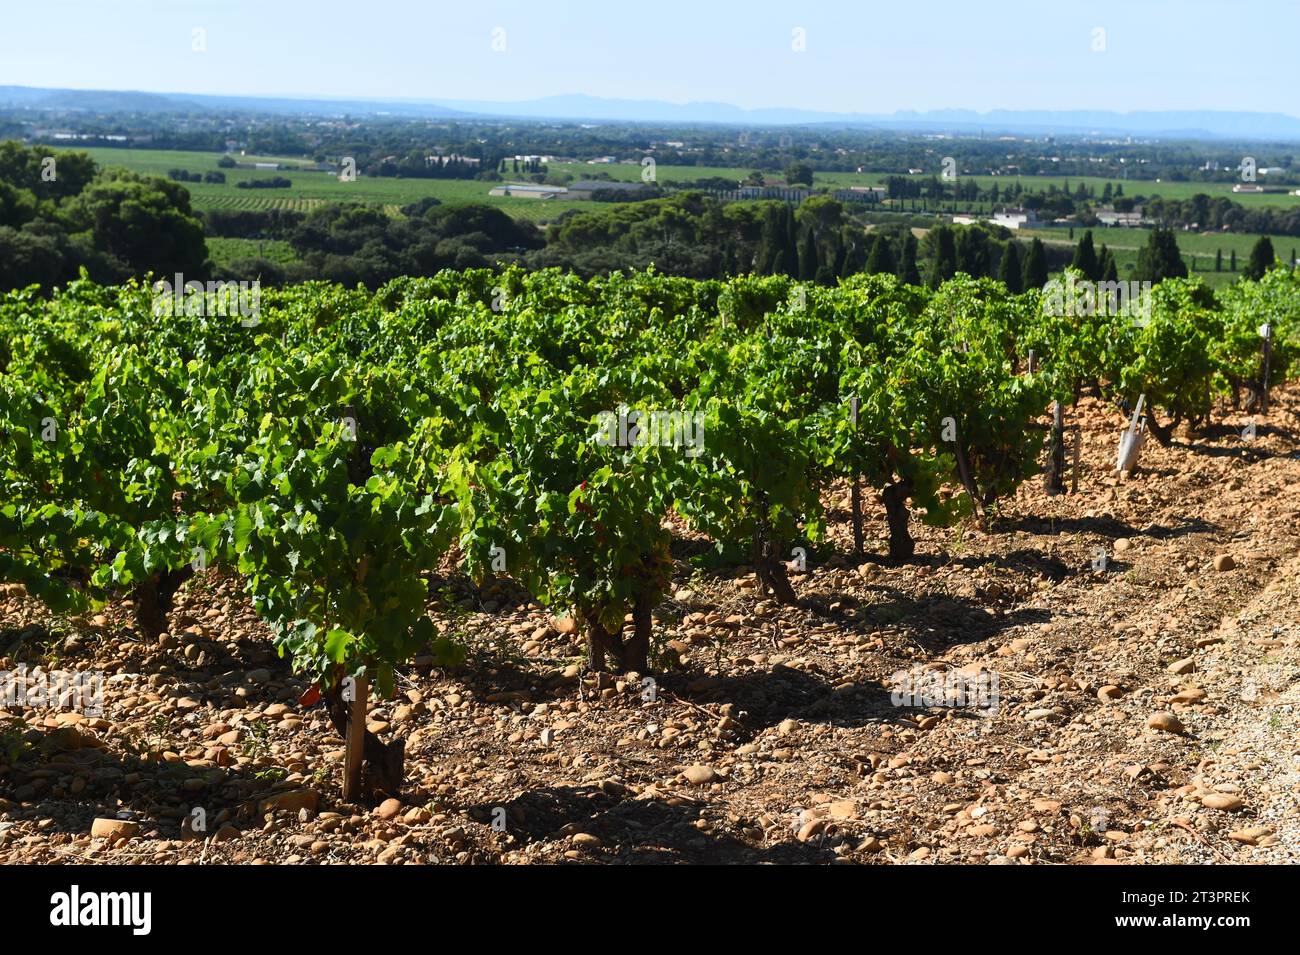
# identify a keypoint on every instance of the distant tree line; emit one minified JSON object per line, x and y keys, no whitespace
{"x":275,"y":182}
{"x":824,"y":149}
{"x":251,"y":223}
{"x":1223,"y":214}
{"x":184,"y":175}
{"x":353,"y":243}
{"x":416,"y":164}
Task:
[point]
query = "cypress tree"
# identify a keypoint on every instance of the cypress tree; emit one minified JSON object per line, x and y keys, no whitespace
{"x":907,"y":270}
{"x":770,"y":244}
{"x":855,"y":257}
{"x":944,"y":265}
{"x":1160,"y":258}
{"x":881,"y":258}
{"x":1218,"y":260}
{"x":840,"y":259}
{"x":1085,"y":258}
{"x":1035,"y":270}
{"x":808,"y":256}
{"x":790,"y":252}
{"x":1232,"y":260}
{"x":1109,"y":271}
{"x":1009,"y":273}
{"x":973,"y":252}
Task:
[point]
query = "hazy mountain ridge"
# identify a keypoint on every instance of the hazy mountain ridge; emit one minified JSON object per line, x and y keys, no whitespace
{"x":20,"y":97}
{"x":580,"y":107}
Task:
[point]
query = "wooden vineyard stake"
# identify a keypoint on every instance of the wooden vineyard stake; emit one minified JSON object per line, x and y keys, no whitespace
{"x":855,"y":494}
{"x":356,"y":740}
{"x":1078,"y":447}
{"x":1054,"y":479}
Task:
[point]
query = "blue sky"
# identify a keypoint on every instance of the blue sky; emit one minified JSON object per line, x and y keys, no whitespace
{"x":861,"y":56}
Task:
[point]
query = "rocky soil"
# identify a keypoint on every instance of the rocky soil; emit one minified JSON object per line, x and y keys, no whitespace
{"x":1146,"y":703}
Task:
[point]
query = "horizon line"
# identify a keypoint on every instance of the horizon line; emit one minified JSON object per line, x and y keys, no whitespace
{"x":443,"y":101}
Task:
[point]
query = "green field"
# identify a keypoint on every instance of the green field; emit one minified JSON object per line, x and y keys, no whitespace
{"x":311,"y":189}
{"x":314,"y":188}
{"x":223,"y":251}
{"x":842,"y":180}
{"x":631,"y":172}
{"x":1148,"y":188}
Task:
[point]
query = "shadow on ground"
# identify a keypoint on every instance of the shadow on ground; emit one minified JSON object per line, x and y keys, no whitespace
{"x":662,"y":829}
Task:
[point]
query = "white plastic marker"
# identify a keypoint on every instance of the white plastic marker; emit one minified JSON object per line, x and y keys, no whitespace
{"x":1266,"y":333}
{"x":1131,"y":442}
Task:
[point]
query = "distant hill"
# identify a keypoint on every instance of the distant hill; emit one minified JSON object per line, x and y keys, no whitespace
{"x":89,"y":100}
{"x":129,"y":101}
{"x":1181,"y":124}
{"x":1172,"y":123}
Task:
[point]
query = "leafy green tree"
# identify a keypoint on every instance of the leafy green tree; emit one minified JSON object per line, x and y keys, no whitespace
{"x":799,"y":174}
{"x":17,"y":206}
{"x":41,"y":254}
{"x":144,"y":224}
{"x":44,"y":172}
{"x":824,"y":214}
{"x":1261,"y":259}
